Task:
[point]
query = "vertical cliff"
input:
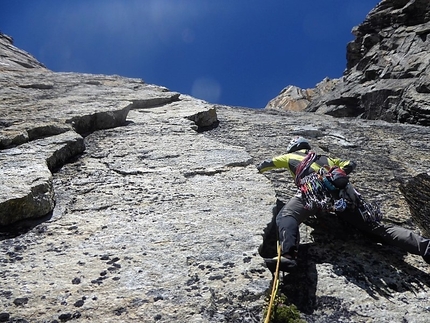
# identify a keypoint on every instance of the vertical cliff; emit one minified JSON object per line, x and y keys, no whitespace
{"x":386,"y":75}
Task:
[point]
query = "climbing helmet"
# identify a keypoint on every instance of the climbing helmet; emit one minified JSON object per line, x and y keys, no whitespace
{"x":298,"y":143}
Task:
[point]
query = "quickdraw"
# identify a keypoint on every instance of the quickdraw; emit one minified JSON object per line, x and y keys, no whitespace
{"x":315,"y":192}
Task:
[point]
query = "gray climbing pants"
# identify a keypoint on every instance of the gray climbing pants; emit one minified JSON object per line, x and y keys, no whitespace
{"x":294,"y":213}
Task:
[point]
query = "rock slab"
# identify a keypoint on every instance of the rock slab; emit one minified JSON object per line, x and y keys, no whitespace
{"x":115,"y":206}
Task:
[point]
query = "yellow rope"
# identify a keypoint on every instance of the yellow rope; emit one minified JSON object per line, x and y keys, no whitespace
{"x":275,"y":286}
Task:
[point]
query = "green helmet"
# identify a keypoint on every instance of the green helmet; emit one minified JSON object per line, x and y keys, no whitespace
{"x":298,"y":143}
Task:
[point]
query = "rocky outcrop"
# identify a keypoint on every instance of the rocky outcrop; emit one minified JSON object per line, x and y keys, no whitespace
{"x":387,"y":70}
{"x":27,"y":190}
{"x":293,"y":98}
{"x":12,"y":57}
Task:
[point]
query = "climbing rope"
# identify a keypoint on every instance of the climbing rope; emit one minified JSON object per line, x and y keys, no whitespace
{"x":304,"y":166}
{"x":275,"y":285}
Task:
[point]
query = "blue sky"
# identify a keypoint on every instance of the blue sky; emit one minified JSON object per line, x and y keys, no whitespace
{"x":233,"y":52}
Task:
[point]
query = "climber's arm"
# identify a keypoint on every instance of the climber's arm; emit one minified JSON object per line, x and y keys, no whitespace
{"x":277,"y":162}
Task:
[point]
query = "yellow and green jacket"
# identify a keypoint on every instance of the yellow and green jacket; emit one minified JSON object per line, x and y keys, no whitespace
{"x":292,"y":160}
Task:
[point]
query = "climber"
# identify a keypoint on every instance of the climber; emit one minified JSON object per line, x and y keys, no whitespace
{"x":311,"y":199}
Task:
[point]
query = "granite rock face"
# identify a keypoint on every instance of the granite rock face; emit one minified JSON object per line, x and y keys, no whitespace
{"x":114,"y":206}
{"x":125,"y":202}
{"x":52,"y":120}
{"x":387,"y":68}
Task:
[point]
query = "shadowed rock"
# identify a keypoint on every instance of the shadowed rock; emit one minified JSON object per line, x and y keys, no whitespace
{"x":417,"y":194}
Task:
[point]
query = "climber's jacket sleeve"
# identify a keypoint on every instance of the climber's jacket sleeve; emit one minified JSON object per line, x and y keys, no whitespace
{"x":287,"y":161}
{"x":265,"y":166}
{"x":291,"y":161}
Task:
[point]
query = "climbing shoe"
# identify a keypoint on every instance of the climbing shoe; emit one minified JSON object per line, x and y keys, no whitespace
{"x":286,"y":264}
{"x":267,"y":249}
